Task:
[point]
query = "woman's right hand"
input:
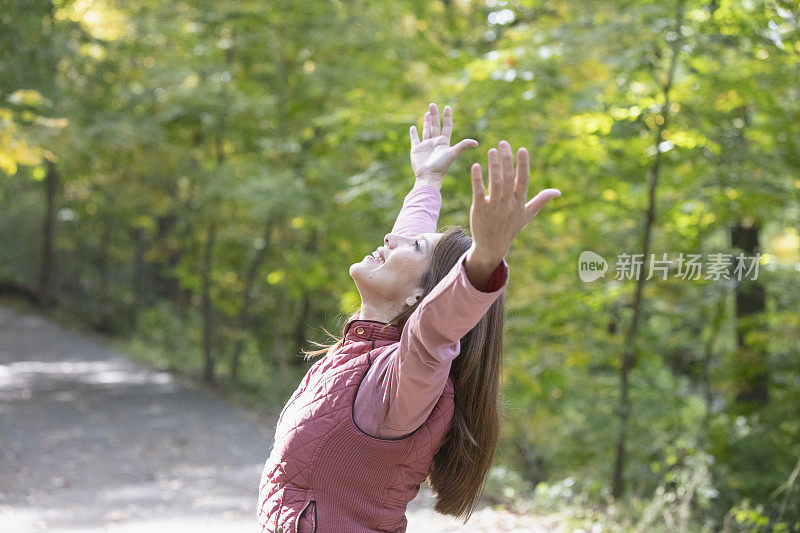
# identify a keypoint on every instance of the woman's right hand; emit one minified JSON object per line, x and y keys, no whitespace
{"x":432,"y":157}
{"x":496,"y":219}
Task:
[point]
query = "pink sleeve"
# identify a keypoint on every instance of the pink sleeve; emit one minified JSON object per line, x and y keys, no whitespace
{"x":420,"y":211}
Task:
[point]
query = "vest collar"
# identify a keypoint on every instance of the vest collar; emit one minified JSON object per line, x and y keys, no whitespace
{"x":370,"y":330}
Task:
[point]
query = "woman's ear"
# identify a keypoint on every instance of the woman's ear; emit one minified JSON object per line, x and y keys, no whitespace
{"x":411,"y":300}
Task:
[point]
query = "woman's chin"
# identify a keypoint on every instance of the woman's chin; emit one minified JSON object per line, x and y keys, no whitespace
{"x":368,"y":264}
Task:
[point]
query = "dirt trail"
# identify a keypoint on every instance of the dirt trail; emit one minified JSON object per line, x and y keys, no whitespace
{"x":90,"y":441}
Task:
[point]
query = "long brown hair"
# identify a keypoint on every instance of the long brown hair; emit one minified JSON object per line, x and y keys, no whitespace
{"x":465,"y":456}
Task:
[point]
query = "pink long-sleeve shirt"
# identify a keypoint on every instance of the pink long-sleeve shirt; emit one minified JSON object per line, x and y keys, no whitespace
{"x":403,"y":385}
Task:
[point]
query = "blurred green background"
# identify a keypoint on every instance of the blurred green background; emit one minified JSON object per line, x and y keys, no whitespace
{"x":195,"y":178}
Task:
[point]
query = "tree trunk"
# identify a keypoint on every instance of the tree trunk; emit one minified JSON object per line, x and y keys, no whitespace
{"x":138,"y":272}
{"x":247,"y":299}
{"x":44,"y":295}
{"x":102,"y":297}
{"x":165,"y":283}
{"x":207,"y":307}
{"x":751,"y":339}
{"x":300,"y":325}
{"x":629,"y":352}
{"x":277,"y":331}
{"x":304,"y":306}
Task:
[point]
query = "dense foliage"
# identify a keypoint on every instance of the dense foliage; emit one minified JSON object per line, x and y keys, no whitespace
{"x":196,"y":177}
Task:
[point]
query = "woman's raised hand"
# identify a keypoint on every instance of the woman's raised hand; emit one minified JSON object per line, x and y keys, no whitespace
{"x":431,"y":157}
{"x":496,"y":219}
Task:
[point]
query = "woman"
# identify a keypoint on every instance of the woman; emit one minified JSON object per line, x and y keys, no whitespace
{"x":410,"y":391}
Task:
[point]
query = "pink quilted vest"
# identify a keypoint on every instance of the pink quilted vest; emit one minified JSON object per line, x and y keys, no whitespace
{"x":324,"y":473}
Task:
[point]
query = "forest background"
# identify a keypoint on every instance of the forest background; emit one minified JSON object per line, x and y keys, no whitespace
{"x":194,"y":178}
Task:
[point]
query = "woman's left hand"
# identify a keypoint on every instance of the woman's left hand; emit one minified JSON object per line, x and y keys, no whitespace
{"x":432,"y":157}
{"x":497,"y":218}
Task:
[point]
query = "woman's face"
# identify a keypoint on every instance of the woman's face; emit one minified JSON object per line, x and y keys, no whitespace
{"x":397,"y":277}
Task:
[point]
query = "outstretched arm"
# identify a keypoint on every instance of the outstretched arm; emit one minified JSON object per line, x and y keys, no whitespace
{"x":430,"y":160}
{"x":413,"y":377}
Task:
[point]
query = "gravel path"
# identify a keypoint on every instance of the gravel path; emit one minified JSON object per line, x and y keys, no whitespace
{"x":90,"y":441}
